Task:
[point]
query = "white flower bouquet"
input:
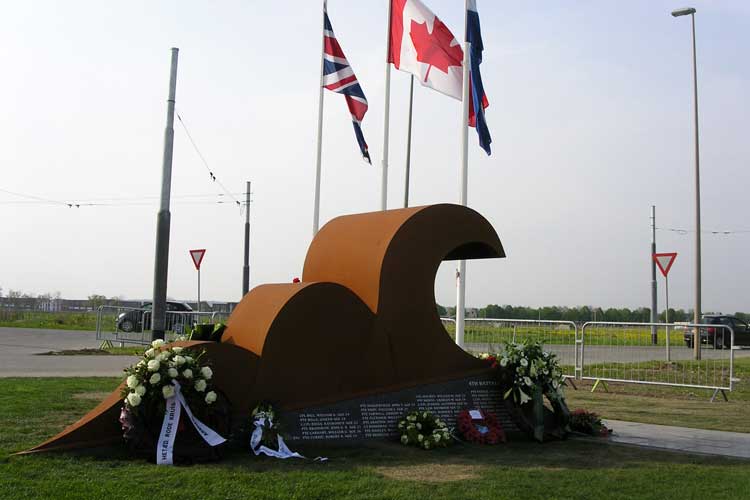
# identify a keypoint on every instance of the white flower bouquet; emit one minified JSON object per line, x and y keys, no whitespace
{"x":150,"y":382}
{"x":529,"y":368}
{"x":164,"y":373}
{"x":527,"y":374}
{"x":265,"y":415}
{"x":424,"y":430}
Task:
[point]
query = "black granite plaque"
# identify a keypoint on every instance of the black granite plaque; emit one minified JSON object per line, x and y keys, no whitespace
{"x":377,"y":416}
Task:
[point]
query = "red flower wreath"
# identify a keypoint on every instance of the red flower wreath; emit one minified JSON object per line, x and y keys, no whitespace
{"x":491,"y":360}
{"x":470,"y":428}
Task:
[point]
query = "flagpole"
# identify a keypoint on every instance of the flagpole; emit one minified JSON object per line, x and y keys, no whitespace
{"x":463,"y":174}
{"x":386,"y":117}
{"x":408,"y":144}
{"x":316,"y":209}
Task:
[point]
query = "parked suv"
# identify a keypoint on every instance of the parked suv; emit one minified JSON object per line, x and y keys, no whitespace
{"x":140,"y":319}
{"x":720,"y":337}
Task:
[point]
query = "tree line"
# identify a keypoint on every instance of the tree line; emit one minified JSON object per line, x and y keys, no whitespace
{"x":43,"y":301}
{"x":579,"y":314}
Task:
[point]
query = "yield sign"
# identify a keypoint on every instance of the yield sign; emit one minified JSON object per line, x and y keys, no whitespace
{"x":197,"y":256}
{"x":665,"y":261}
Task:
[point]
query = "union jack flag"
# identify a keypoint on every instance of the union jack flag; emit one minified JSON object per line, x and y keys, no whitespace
{"x":338,"y":76}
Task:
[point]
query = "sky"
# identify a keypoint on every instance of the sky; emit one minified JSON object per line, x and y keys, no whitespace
{"x":591,"y":115}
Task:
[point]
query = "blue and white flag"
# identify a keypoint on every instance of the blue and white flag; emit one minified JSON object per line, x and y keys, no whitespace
{"x":477,"y":99}
{"x":338,"y":76}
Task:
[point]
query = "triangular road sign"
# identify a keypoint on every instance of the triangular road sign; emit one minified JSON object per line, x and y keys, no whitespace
{"x":665,"y":261}
{"x":197,"y":256}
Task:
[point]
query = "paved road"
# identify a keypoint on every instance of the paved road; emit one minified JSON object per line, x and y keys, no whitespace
{"x":19,"y":346}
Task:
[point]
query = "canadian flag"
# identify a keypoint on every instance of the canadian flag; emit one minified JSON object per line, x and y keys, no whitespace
{"x":422,"y":45}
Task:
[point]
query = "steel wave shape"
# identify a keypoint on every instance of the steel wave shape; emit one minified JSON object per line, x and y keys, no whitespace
{"x":364,"y":318}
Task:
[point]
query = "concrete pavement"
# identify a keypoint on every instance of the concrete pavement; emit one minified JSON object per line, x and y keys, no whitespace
{"x":682,"y":439}
{"x":19,"y":348}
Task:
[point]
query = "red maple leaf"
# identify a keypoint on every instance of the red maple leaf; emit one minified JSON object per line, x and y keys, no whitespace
{"x":435,"y":48}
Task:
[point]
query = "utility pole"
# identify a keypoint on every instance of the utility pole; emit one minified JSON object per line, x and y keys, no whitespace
{"x":654,"y":312}
{"x":246,"y":267}
{"x":159,"y":304}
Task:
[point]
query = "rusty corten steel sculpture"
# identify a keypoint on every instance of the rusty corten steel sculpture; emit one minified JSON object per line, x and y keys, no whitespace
{"x":362,"y":321}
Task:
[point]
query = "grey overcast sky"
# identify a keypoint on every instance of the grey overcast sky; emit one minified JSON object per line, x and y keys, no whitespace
{"x":590,"y":112}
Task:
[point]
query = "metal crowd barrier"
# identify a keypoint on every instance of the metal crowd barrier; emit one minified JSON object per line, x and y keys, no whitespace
{"x":129,"y":325}
{"x":559,"y":337}
{"x":627,"y":352}
{"x":618,"y":352}
{"x":450,"y":326}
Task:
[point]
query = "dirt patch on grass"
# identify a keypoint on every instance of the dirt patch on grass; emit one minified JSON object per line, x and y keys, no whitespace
{"x":432,"y":473}
{"x":76,"y":352}
{"x":91,"y":396}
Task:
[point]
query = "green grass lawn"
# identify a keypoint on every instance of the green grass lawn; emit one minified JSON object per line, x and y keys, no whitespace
{"x":671,"y":406}
{"x":85,"y":321}
{"x":486,"y":333}
{"x":33,"y":409}
{"x":706,"y":372}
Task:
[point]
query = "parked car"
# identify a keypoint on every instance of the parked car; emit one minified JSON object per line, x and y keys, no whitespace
{"x":140,"y":319}
{"x":720,"y":337}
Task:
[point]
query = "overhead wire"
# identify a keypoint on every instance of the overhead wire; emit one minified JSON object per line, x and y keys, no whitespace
{"x":203,"y":159}
{"x":123,"y":204}
{"x":704,"y":231}
{"x":114,"y":201}
{"x":150,"y":197}
{"x":129,"y":201}
{"x":39,"y":198}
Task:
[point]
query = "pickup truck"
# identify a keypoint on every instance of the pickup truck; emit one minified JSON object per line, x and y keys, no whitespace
{"x":720,"y":337}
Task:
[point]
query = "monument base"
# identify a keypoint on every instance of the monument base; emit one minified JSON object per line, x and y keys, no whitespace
{"x":376,"y":417}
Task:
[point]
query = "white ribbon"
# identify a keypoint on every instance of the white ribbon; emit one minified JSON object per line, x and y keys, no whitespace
{"x":165,"y":447}
{"x":168,"y":430}
{"x":283,"y":452}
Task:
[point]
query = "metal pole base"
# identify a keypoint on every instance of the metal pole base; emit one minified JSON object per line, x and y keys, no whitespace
{"x":159,"y":304}
{"x":723,"y":393}
{"x":596,"y":384}
{"x":570,"y":381}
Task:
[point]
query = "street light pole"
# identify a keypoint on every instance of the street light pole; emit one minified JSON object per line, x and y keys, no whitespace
{"x":697,"y":310}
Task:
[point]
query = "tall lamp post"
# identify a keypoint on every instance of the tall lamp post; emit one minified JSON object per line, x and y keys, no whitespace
{"x":161,"y":259}
{"x":697,"y":311}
